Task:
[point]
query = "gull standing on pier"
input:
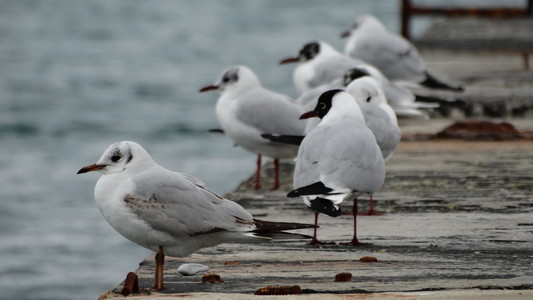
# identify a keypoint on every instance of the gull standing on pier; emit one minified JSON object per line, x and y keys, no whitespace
{"x":338,"y":160}
{"x":379,"y":117}
{"x":392,"y":54}
{"x":245,"y":110}
{"x":168,"y":212}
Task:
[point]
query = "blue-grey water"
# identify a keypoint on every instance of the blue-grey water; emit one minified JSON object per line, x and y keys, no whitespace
{"x":76,"y":76}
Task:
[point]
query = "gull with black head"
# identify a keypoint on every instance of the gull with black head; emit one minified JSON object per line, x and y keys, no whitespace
{"x":338,"y":160}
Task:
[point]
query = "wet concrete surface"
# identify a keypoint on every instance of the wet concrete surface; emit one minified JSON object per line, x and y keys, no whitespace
{"x":457,"y":216}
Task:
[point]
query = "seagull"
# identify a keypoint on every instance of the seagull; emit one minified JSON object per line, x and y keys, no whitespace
{"x":338,"y":160}
{"x":379,"y":116}
{"x":319,"y":65}
{"x":392,"y":54}
{"x":245,"y":110}
{"x":168,"y":212}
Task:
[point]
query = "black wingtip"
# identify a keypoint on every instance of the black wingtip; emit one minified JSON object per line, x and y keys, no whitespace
{"x":284,"y":139}
{"x":434,"y":83}
{"x":317,"y":188}
{"x":440,"y":101}
{"x":291,"y":194}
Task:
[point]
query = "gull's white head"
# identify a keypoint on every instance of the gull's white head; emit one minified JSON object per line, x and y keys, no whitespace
{"x":368,"y":21}
{"x":311,"y":51}
{"x":364,"y":23}
{"x":353,"y":74}
{"x":367,"y":90}
{"x":235,"y":78}
{"x":119,"y":157}
{"x":335,"y":104}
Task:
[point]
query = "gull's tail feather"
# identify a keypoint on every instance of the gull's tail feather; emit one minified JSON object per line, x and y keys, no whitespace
{"x":437,"y":101}
{"x":276,"y":230}
{"x":434,"y":83}
{"x":269,"y":226}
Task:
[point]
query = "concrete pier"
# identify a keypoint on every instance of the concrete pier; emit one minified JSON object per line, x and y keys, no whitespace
{"x":457,"y":215}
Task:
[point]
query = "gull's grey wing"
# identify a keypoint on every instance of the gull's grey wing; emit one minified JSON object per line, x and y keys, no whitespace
{"x":175,"y":204}
{"x":309,"y":98}
{"x":352,"y":159}
{"x":332,"y":69}
{"x":306,"y":170}
{"x":271,"y":112}
{"x":394,"y":56}
{"x":386,"y":132}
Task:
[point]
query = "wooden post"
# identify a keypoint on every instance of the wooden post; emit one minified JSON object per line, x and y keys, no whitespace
{"x":409,"y":10}
{"x":406,"y":18}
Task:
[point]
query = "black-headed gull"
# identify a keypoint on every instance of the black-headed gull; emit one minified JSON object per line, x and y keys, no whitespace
{"x":168,"y":212}
{"x":379,"y":116}
{"x":245,"y":110}
{"x":396,"y":57}
{"x":338,"y":160}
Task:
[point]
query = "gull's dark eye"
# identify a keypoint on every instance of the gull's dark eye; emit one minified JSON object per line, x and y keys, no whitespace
{"x":368,"y":99}
{"x":322,"y":105}
{"x":115,"y":158}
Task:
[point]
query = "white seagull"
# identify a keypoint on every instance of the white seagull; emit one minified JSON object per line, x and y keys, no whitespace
{"x":392,"y":54}
{"x":168,"y":212}
{"x":379,"y":116}
{"x":319,"y":65}
{"x":245,"y":110}
{"x":338,"y":160}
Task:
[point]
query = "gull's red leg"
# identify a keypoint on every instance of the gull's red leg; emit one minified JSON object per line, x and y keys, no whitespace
{"x":159,"y":267}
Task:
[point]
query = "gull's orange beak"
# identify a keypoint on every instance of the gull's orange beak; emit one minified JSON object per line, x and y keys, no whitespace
{"x":307,"y":115}
{"x":208,"y":88}
{"x":91,"y":168}
{"x":289,"y":60}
